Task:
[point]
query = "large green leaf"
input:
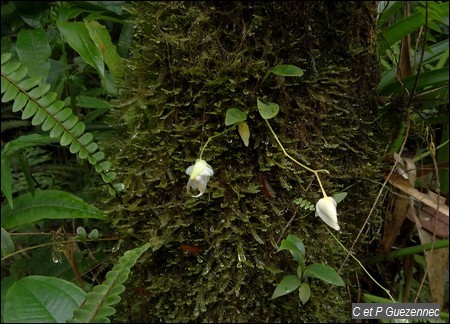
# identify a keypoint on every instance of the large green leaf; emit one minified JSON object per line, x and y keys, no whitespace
{"x":286,"y":70}
{"x":34,"y":51}
{"x":26,"y":141}
{"x":39,"y":299}
{"x":7,"y":180}
{"x":7,"y":243}
{"x":325,"y":273}
{"x":77,"y":35}
{"x":433,"y":78}
{"x":287,"y":285}
{"x":47,"y":204}
{"x":100,"y":35}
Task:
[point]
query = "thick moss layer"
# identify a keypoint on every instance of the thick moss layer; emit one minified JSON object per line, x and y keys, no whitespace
{"x":191,"y":62}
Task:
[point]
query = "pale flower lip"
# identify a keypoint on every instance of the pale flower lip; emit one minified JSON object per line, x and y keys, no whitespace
{"x":199,"y":174}
{"x":326,"y":209}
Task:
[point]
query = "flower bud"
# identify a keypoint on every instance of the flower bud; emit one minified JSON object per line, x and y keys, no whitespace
{"x":326,"y":209}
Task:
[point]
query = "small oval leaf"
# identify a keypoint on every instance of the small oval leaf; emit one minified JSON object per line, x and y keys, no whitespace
{"x":304,"y":292}
{"x":286,"y":286}
{"x":287,"y":70}
{"x":267,"y":110}
{"x":244,"y":132}
{"x":234,"y":116}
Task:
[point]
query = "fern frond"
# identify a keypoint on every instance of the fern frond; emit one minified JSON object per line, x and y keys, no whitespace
{"x":35,"y":101}
{"x":99,"y":303}
{"x":305,"y":204}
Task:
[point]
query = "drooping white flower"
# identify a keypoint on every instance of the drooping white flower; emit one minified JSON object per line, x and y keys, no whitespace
{"x":199,"y":176}
{"x":326,"y":209}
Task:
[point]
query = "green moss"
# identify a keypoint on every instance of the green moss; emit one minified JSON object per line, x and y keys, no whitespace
{"x":191,"y":62}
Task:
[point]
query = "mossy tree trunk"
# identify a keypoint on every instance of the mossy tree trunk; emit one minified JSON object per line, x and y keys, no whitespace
{"x":214,"y":257}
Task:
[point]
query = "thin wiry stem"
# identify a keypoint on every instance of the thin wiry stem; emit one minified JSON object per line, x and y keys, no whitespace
{"x":316,"y":172}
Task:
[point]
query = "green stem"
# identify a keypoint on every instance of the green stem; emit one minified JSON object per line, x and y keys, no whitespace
{"x":417,"y":249}
{"x":376,"y":282}
{"x":214,"y":136}
{"x":316,"y":172}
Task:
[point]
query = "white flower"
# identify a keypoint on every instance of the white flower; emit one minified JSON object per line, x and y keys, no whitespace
{"x":326,"y":209}
{"x":199,"y":176}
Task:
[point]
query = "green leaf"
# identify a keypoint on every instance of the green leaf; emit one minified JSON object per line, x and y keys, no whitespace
{"x":286,"y":286}
{"x":244,"y":132}
{"x":34,"y":51}
{"x":325,"y":273}
{"x":287,"y":70}
{"x":267,"y":110}
{"x":295,"y":246}
{"x":100,"y":35}
{"x":339,"y":196}
{"x":234,"y":116}
{"x":7,"y":180}
{"x":47,"y":204}
{"x":99,"y":301}
{"x":92,"y":102}
{"x":304,"y":293}
{"x":39,"y":299}
{"x":26,"y":141}
{"x":77,"y":36}
{"x":7,"y":243}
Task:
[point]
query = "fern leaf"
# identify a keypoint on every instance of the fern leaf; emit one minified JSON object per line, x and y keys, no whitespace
{"x":36,"y":101}
{"x":99,"y":303}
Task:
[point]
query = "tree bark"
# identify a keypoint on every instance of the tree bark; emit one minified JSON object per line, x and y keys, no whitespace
{"x":214,"y":258}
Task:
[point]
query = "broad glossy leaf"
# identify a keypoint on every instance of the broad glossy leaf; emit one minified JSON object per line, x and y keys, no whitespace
{"x":34,"y":51}
{"x":234,"y":115}
{"x":39,"y":299}
{"x":267,"y":110}
{"x":294,"y":245}
{"x":26,"y":141}
{"x":100,"y":35}
{"x":325,"y":273}
{"x":287,"y":285}
{"x":92,"y":102}
{"x":47,"y":204}
{"x":77,"y":36}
